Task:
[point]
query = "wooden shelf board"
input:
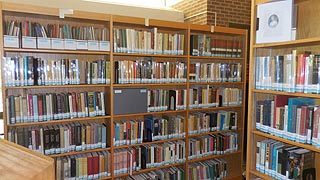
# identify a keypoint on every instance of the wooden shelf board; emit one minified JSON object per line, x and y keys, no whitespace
{"x":104,"y":178}
{"x":56,"y":51}
{"x":216,"y":83}
{"x":217,"y":29}
{"x":286,"y":93}
{"x":305,"y":146}
{"x":212,"y":157}
{"x":149,"y":85}
{"x":212,"y":132}
{"x":295,"y":43}
{"x":214,"y":108}
{"x":18,"y":162}
{"x":148,"y":170}
{"x":108,"y":177}
{"x":148,"y":113}
{"x":145,"y":143}
{"x":215,"y":58}
{"x":58,"y":86}
{"x":261,"y":175}
{"x":59,"y":121}
{"x":79,"y":152}
{"x":150,"y":55}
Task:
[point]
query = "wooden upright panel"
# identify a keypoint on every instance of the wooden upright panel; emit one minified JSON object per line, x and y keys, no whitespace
{"x":17,"y":162}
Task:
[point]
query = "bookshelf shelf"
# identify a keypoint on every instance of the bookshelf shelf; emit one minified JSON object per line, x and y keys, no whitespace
{"x":59,"y":121}
{"x":79,"y":152}
{"x":147,"y":143}
{"x":149,"y":113}
{"x":169,"y":58}
{"x":214,"y":108}
{"x":148,"y":170}
{"x":306,"y":146}
{"x":212,"y":132}
{"x":151,"y":85}
{"x":149,"y":55}
{"x":192,"y":58}
{"x":105,"y":178}
{"x":286,"y":93}
{"x":216,"y":83}
{"x":51,"y":51}
{"x":291,"y":44}
{"x":213,"y":156}
{"x":59,"y":86}
{"x":261,"y":175}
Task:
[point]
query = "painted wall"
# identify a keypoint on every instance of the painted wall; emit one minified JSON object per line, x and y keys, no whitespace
{"x":162,"y":14}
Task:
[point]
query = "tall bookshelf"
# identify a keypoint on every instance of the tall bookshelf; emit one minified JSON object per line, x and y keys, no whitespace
{"x":134,"y":61}
{"x":260,"y":129}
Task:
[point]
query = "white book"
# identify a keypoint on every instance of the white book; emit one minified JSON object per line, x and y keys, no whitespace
{"x":274,"y":24}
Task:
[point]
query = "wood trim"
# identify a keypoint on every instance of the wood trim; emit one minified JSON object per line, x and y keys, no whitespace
{"x":287,"y":44}
{"x":250,"y":138}
{"x":217,"y":29}
{"x":305,"y":146}
{"x":26,"y":8}
{"x":89,"y":15}
{"x":127,"y":19}
{"x":168,"y":24}
{"x":29,"y":151}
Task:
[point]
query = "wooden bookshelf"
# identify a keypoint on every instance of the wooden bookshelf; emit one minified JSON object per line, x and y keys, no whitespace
{"x":182,"y":55}
{"x":307,"y":39}
{"x":17,"y":162}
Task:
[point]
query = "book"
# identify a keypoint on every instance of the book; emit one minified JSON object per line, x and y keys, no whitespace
{"x":273,"y":25}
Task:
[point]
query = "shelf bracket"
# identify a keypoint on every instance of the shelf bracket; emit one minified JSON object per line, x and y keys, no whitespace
{"x":146,"y":21}
{"x":62,"y":12}
{"x":212,"y":29}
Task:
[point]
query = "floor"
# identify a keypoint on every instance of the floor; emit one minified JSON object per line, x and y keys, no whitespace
{"x":1,"y":128}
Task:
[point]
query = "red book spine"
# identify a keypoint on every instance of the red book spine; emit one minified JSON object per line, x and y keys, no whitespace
{"x":95,"y":165}
{"x":30,"y":104}
{"x":89,"y":166}
{"x":40,"y":101}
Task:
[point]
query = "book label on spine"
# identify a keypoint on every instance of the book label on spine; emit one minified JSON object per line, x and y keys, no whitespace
{"x":11,"y":41}
{"x":29,"y":42}
{"x":43,"y":43}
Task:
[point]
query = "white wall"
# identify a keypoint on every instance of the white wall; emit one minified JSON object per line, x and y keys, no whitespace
{"x":161,"y":14}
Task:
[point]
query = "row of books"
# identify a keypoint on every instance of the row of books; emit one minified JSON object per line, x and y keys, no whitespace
{"x":210,"y":169}
{"x":210,"y":96}
{"x":291,"y":72}
{"x":215,"y":72}
{"x":203,"y":122}
{"x":58,"y":139}
{"x":149,"y":71}
{"x":163,"y":99}
{"x":209,"y":145}
{"x":292,"y":118}
{"x":282,"y":161}
{"x":148,"y":156}
{"x":63,"y":31}
{"x":54,"y":106}
{"x":159,"y":174}
{"x":203,"y":45}
{"x":151,"y":128}
{"x":151,"y":41}
{"x":93,"y":165}
{"x":31,"y":71}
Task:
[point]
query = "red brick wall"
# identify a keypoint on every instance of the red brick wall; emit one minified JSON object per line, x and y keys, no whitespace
{"x":228,"y":11}
{"x":192,"y":7}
